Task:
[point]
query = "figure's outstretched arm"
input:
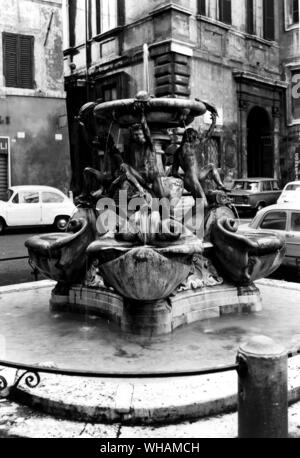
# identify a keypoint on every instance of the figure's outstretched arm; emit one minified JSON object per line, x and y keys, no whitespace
{"x":213,"y":115}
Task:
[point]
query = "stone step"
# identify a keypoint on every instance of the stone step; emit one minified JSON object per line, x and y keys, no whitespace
{"x":137,"y":402}
{"x":22,"y":422}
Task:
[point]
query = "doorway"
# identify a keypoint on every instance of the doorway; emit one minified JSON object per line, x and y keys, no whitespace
{"x":259,"y":144}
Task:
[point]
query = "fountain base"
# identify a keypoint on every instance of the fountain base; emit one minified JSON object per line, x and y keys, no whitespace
{"x":160,"y":317}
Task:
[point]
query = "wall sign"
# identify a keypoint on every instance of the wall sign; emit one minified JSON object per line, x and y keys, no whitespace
{"x":4,"y":145}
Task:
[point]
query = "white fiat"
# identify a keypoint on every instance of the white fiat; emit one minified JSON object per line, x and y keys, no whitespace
{"x":35,"y":206}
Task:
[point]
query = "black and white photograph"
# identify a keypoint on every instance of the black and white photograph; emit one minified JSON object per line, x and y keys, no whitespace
{"x":149,"y":222}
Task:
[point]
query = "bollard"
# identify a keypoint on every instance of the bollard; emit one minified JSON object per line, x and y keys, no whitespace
{"x":262,"y":389}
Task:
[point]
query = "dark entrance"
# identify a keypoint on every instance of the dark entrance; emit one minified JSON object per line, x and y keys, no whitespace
{"x":259,"y":144}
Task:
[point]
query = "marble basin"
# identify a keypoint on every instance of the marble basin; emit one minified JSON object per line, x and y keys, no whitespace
{"x":61,"y":256}
{"x":244,"y":258}
{"x":145,"y":273}
{"x":169,"y":112}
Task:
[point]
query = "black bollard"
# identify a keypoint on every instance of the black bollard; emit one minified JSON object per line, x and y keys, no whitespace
{"x":262,"y":390}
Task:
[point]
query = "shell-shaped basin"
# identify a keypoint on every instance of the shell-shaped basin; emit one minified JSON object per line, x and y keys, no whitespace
{"x":245,"y":258}
{"x":145,"y":273}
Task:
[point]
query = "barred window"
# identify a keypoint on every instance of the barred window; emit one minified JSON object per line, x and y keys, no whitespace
{"x":18,"y":60}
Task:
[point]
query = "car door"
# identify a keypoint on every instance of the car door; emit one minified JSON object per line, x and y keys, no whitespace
{"x":52,"y":205}
{"x":293,"y":236}
{"x":268,"y":195}
{"x":24,"y":209}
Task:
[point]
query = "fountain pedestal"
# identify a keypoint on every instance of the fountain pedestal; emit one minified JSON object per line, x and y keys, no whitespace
{"x":155,"y":318}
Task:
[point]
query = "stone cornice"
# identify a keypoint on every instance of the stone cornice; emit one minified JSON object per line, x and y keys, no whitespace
{"x":248,"y":76}
{"x":170,"y":6}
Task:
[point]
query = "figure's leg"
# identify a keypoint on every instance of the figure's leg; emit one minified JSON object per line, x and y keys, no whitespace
{"x":211,"y":169}
{"x":192,"y":184}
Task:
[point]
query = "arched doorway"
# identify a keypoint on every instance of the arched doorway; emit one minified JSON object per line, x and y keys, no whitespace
{"x":259,"y":144}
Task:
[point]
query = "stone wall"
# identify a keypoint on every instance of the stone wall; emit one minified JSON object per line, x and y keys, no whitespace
{"x":36,"y":119}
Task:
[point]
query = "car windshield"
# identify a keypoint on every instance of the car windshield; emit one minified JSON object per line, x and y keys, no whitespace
{"x":292,"y":187}
{"x":7,"y":195}
{"x":246,"y":186}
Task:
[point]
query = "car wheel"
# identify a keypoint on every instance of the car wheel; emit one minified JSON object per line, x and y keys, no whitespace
{"x":260,"y":207}
{"x":61,"y":223}
{"x":2,"y":225}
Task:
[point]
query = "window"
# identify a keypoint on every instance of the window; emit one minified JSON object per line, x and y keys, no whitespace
{"x":292,"y":12}
{"x":51,"y":197}
{"x":292,"y":187}
{"x":250,"y":17}
{"x":110,"y":93}
{"x":295,"y":222}
{"x":18,"y":60}
{"x":108,"y":15}
{"x":26,"y":198}
{"x":269,"y":20}
{"x":225,"y":11}
{"x":267,"y":186}
{"x":202,"y":7}
{"x":7,"y":195}
{"x":275,"y":221}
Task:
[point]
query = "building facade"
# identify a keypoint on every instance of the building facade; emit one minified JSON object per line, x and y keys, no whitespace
{"x":34,"y":143}
{"x":228,"y":52}
{"x":290,"y":60}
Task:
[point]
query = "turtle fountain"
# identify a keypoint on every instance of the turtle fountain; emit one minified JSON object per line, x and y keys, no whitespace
{"x":132,"y":253}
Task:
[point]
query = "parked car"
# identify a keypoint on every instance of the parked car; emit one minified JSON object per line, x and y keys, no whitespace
{"x":253,"y":194}
{"x":283,"y":219}
{"x":290,"y":193}
{"x":35,"y":205}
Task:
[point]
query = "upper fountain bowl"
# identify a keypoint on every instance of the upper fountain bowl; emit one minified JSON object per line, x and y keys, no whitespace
{"x":169,"y":112}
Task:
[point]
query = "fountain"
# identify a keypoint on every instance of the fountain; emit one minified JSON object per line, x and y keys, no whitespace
{"x":125,"y":255}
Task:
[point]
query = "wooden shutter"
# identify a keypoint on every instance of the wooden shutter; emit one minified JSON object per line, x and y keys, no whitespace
{"x":202,"y":7}
{"x":225,"y":11}
{"x":18,"y":60}
{"x":10,"y":59}
{"x":250,"y":16}
{"x":25,"y":60}
{"x":269,"y":20}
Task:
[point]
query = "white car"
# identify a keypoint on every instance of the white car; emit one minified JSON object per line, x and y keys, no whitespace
{"x":35,"y":206}
{"x":290,"y":193}
{"x":283,"y":219}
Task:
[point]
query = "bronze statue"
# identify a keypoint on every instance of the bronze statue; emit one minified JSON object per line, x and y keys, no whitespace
{"x":141,"y":159}
{"x":194,"y":176}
